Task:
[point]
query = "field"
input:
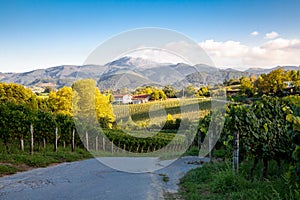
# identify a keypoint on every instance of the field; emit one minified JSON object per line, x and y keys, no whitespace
{"x":157,"y":110}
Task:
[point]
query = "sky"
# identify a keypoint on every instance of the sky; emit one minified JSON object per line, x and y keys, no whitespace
{"x":234,"y":33}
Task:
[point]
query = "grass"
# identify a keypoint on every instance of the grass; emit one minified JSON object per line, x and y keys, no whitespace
{"x":18,"y":161}
{"x":7,"y":169}
{"x":217,"y":181}
{"x":192,"y":151}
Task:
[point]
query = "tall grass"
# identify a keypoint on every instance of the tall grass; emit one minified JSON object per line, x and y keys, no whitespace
{"x":217,"y":181}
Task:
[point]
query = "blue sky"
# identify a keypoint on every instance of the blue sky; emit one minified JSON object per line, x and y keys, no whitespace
{"x":39,"y":34}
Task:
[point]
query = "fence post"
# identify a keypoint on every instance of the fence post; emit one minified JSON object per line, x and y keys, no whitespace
{"x":87,"y":140}
{"x":96,"y":146}
{"x":73,"y":140}
{"x":103,"y":143}
{"x":56,"y":139}
{"x":236,"y":152}
{"x":210,"y":147}
{"x":31,"y":140}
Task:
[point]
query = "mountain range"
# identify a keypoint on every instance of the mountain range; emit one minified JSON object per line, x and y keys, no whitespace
{"x":131,"y":72}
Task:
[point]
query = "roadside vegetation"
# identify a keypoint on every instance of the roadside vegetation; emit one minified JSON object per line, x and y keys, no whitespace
{"x":218,"y":181}
{"x":265,"y":117}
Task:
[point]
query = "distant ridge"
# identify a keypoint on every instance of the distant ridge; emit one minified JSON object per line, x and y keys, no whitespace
{"x":131,"y":72}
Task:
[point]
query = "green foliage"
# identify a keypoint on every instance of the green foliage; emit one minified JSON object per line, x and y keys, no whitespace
{"x":22,"y":117}
{"x":155,"y":93}
{"x":217,"y":181}
{"x":136,"y":141}
{"x":262,"y":127}
{"x":66,"y":125}
{"x":232,"y":81}
{"x":247,"y":87}
{"x":189,"y":91}
{"x":6,"y":169}
{"x":294,"y":119}
{"x":44,"y":126}
{"x":273,"y":82}
{"x":169,"y":91}
{"x":204,"y":91}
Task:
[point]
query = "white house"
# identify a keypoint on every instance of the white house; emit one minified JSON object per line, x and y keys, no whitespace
{"x":122,"y":98}
{"x":140,"y":98}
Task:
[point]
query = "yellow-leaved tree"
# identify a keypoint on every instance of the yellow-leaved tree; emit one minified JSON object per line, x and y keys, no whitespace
{"x":61,"y":101}
{"x":90,"y":105}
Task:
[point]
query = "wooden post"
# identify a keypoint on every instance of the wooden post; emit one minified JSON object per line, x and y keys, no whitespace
{"x":235,"y":152}
{"x":73,"y":140}
{"x":22,"y":144}
{"x":96,"y":145}
{"x":199,"y":140}
{"x":31,"y":139}
{"x":56,"y":139}
{"x":112,"y":146}
{"x":87,"y":140}
{"x":103,"y":143}
{"x":210,"y":146}
{"x":44,"y":143}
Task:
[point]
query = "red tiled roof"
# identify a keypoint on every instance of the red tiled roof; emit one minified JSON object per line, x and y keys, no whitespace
{"x":140,"y":96}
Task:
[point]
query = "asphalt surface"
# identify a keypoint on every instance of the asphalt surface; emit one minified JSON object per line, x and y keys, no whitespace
{"x":90,"y":179}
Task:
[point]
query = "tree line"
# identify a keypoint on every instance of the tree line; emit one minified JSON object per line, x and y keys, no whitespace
{"x":276,"y":83}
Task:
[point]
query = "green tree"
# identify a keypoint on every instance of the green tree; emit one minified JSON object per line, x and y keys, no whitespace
{"x":247,"y":87}
{"x":169,"y":91}
{"x":48,"y":89}
{"x":189,"y":91}
{"x":271,"y":83}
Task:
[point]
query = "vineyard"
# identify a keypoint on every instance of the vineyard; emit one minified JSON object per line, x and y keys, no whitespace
{"x":259,"y":149}
{"x":35,"y":123}
{"x":153,"y":110}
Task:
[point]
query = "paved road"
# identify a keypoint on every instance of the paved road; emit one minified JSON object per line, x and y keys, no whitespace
{"x":90,"y":179}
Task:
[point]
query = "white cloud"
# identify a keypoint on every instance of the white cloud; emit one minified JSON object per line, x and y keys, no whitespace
{"x":281,"y":43}
{"x":271,"y":35}
{"x":272,"y":53}
{"x":254,"y":33}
